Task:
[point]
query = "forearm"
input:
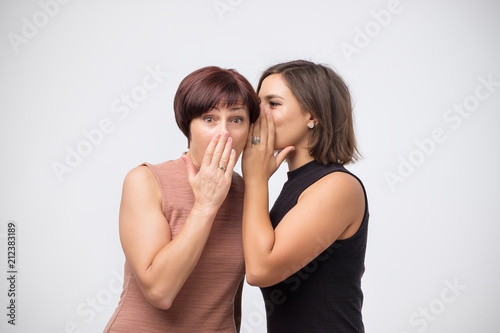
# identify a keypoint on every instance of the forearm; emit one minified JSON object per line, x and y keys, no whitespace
{"x":175,"y":262}
{"x":258,"y":233}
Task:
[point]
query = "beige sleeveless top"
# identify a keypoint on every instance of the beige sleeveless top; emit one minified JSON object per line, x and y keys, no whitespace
{"x":206,"y":301}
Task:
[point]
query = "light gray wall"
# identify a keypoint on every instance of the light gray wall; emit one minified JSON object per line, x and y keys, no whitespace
{"x":425,"y":79}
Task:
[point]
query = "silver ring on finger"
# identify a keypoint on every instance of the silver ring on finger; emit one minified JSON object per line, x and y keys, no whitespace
{"x":222,"y":168}
{"x":255,"y":140}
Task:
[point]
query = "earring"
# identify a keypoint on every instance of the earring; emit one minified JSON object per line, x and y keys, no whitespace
{"x":310,"y":125}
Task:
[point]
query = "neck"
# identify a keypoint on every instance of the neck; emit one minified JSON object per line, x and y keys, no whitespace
{"x":195,"y":162}
{"x":296,"y":159}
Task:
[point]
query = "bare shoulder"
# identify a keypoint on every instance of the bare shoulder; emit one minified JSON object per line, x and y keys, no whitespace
{"x":139,"y":174}
{"x":337,"y":184}
{"x":141,"y":182}
{"x":141,"y":205}
{"x":339,"y":199}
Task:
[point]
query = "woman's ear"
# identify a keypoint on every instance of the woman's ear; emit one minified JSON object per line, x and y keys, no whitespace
{"x":312,"y":122}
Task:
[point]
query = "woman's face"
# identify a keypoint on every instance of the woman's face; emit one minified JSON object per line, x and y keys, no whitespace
{"x":289,"y":119}
{"x":233,"y":120}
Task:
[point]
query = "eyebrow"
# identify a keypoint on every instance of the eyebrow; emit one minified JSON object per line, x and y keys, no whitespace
{"x":273,"y":96}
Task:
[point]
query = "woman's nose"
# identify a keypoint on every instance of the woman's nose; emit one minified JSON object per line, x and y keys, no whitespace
{"x":223,"y":126}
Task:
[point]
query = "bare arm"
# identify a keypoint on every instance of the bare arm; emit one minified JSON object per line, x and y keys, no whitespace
{"x":333,"y":208}
{"x":162,"y":265}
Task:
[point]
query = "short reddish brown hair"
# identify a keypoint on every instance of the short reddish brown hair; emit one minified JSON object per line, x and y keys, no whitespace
{"x":208,"y":87}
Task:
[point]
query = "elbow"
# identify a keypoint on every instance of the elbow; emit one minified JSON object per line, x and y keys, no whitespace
{"x":161,"y":295}
{"x":159,"y":298}
{"x":161,"y":304}
{"x":253,"y":280}
{"x":259,"y":278}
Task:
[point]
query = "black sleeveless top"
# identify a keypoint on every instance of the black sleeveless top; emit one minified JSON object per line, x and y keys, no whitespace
{"x":325,"y":295}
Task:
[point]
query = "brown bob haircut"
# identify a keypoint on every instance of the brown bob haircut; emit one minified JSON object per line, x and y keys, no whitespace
{"x":209,"y":87}
{"x":323,"y":93}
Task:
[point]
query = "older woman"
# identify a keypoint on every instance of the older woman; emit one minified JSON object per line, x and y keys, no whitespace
{"x":180,"y":221}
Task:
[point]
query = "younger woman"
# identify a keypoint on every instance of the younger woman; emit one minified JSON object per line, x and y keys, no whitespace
{"x":307,"y":254}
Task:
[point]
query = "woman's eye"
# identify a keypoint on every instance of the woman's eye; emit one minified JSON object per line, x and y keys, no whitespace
{"x":238,"y":120}
{"x":273,"y":104}
{"x":208,"y":119}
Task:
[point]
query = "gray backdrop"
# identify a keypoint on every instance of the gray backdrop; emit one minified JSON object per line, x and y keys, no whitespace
{"x":86,"y":94}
